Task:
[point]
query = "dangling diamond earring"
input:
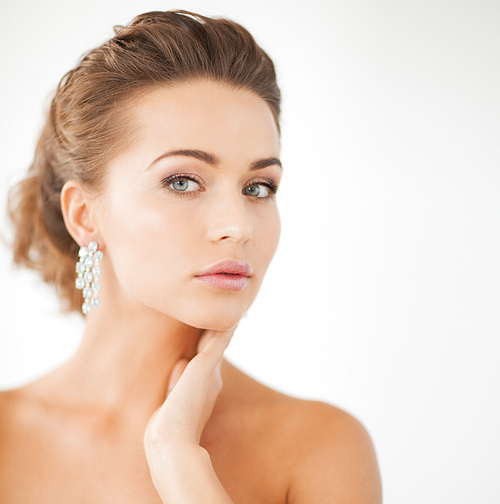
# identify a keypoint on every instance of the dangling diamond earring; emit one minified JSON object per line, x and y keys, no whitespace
{"x":89,"y":271}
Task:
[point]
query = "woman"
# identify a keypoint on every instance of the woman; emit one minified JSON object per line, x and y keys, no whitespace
{"x":156,"y":172}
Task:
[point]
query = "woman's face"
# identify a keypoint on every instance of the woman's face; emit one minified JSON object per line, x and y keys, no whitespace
{"x":195,"y":188}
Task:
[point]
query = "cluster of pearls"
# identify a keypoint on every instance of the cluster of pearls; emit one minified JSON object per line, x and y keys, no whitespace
{"x":89,"y":271}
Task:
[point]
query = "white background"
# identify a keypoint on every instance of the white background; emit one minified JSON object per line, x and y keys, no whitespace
{"x":384,"y":295}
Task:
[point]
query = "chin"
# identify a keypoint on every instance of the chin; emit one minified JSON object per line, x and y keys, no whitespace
{"x":213,"y":321}
{"x":219,"y":316}
{"x":211,"y":311}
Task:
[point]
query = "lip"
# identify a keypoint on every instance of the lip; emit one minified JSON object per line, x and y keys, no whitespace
{"x":227,"y":275}
{"x":232,"y":267}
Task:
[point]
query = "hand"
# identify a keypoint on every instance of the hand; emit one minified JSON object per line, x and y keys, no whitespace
{"x":192,"y":391}
{"x":172,"y":437}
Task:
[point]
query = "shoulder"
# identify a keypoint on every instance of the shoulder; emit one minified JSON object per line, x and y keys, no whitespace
{"x":15,"y":405}
{"x":336,"y":461}
{"x":20,"y":411}
{"x":11,"y":406}
{"x":328,"y":453}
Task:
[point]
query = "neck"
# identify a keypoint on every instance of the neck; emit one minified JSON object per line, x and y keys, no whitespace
{"x":124,"y":362}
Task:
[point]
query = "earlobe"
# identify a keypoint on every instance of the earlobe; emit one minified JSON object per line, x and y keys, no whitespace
{"x":75,"y":207}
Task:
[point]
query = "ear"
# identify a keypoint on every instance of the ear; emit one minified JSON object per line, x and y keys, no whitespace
{"x":76,"y":210}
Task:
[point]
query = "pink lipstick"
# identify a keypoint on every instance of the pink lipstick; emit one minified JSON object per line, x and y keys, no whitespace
{"x":228,"y":275}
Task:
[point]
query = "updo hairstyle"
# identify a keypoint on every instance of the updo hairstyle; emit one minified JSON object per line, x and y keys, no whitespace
{"x":84,"y":127}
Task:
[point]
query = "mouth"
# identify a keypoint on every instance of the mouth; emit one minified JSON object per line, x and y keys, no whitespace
{"x":227,"y":275}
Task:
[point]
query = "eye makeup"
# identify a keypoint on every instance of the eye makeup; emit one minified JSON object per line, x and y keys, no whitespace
{"x":180,"y":177}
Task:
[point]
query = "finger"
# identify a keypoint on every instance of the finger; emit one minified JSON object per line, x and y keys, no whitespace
{"x":176,"y":373}
{"x":147,"y":432}
{"x":203,"y":341}
{"x":208,"y":335}
{"x":213,"y":344}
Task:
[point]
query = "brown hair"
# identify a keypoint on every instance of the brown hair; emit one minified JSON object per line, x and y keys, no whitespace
{"x":83,"y":128}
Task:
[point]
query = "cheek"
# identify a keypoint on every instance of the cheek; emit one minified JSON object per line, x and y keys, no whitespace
{"x":150,"y":244}
{"x":156,"y":248}
{"x":266,"y":238}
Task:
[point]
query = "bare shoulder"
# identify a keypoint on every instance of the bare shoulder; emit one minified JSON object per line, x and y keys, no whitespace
{"x":11,"y":406}
{"x":328,"y":454}
{"x":336,"y":461}
{"x":20,"y":410}
{"x":16,"y":401}
{"x":15,"y":404}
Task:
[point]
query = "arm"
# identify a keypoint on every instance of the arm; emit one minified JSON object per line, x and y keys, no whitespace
{"x":181,"y":469}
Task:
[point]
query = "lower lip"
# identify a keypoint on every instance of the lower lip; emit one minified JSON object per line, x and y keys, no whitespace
{"x":227,"y":282}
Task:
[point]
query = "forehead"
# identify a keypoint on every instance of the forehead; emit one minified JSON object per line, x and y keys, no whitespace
{"x":205,"y":115}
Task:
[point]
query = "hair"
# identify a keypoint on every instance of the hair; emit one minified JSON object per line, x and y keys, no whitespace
{"x":83,"y":129}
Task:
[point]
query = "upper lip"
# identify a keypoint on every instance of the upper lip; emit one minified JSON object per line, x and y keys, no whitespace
{"x":228,"y":266}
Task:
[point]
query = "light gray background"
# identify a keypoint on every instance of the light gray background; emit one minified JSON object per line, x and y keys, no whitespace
{"x":384,"y":295}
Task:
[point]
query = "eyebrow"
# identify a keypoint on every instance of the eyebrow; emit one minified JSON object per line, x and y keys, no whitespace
{"x":213,"y":160}
{"x":264,"y":163}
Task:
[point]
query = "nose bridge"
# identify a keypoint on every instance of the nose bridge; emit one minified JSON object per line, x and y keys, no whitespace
{"x":228,"y":218}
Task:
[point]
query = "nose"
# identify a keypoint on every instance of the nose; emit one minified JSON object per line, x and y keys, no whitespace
{"x":229,"y":219}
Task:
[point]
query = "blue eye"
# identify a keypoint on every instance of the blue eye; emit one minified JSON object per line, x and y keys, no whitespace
{"x":184,"y":185}
{"x":257,"y":190}
{"x":181,"y":184}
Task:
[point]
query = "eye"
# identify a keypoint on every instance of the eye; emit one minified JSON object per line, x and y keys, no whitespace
{"x":184,"y":185}
{"x":181,"y":184}
{"x":260,"y":190}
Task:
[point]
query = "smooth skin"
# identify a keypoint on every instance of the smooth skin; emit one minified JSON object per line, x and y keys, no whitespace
{"x":148,"y":410}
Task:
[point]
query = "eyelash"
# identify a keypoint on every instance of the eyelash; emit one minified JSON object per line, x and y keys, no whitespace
{"x":170,"y":180}
{"x":273,"y":188}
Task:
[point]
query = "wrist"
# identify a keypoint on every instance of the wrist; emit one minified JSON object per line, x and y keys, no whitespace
{"x":183,"y":472}
{"x":168,"y":453}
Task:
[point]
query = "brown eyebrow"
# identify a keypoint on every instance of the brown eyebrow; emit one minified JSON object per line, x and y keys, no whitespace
{"x":197,"y":154}
{"x":213,"y":160}
{"x":264,"y":163}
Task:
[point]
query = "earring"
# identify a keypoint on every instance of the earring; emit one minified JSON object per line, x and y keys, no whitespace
{"x":89,"y":271}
